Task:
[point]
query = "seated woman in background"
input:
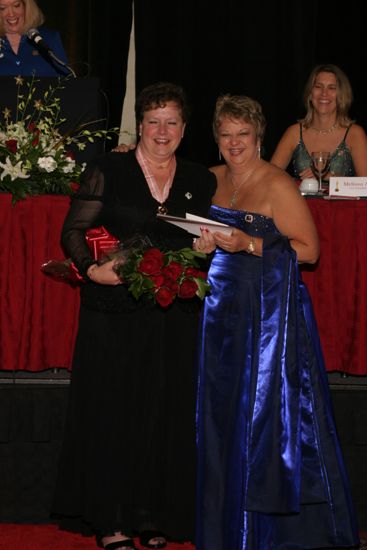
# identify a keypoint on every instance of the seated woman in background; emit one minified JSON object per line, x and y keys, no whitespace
{"x":19,"y":56}
{"x":326,"y":127}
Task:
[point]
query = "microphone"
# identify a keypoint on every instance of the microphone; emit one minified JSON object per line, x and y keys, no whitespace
{"x":36,"y":39}
{"x":34,"y":36}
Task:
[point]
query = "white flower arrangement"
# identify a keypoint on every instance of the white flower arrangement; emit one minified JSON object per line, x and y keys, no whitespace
{"x":35,"y":158}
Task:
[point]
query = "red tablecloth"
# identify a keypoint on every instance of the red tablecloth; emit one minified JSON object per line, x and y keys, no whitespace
{"x":338,"y":283}
{"x":38,"y":315}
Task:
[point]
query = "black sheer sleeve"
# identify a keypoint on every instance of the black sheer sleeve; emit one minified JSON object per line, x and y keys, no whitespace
{"x":83,"y":214}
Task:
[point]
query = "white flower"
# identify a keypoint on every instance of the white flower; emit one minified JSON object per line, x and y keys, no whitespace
{"x":47,"y":163}
{"x":70,"y":164}
{"x":40,"y":161}
{"x":13,"y":171}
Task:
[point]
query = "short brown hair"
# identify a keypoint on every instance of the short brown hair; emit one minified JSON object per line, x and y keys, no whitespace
{"x":158,"y":95}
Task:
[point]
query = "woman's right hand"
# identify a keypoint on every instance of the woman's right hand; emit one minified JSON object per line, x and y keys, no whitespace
{"x":104,"y":274}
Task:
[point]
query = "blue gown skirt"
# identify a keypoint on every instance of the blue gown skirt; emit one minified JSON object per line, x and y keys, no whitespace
{"x":270,"y":470}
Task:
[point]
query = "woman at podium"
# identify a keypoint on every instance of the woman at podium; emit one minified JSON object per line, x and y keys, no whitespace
{"x":26,"y":47}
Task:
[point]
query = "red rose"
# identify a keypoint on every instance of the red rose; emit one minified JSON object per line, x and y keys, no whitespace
{"x":187,"y":289}
{"x":154,"y":253}
{"x":202,"y":275}
{"x":12,"y":145}
{"x":158,"y":280}
{"x":74,"y":186}
{"x":70,"y":155}
{"x":34,"y":130}
{"x":151,"y":262}
{"x":173,"y":270}
{"x":171,"y":284}
{"x":191,"y":272}
{"x":164,"y":297}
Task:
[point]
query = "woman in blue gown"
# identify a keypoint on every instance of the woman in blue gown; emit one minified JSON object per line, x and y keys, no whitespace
{"x":270,"y":469}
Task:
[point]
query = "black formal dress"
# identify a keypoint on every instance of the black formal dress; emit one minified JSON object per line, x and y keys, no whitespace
{"x":129,"y":451}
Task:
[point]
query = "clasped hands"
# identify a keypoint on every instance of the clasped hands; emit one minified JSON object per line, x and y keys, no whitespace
{"x":308,"y":173}
{"x":104,"y":274}
{"x":237,"y":241}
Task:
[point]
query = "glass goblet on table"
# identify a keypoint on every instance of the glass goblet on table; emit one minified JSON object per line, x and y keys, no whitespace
{"x":320,"y":162}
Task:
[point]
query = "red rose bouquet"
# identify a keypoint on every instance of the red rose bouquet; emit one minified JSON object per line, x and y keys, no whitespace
{"x":163,"y":276}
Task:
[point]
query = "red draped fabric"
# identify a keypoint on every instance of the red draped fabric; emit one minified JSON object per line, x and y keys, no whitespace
{"x":338,"y":283}
{"x":38,"y":315}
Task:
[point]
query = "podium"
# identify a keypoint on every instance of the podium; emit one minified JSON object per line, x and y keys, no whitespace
{"x":82,"y":101}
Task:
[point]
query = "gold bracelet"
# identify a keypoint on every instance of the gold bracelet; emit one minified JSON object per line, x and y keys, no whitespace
{"x":251,"y":247}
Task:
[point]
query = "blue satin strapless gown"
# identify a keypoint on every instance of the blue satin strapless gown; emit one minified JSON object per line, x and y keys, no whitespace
{"x":270,"y":470}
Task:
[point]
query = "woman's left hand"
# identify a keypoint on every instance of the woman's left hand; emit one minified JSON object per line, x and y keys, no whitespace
{"x":306,"y":173}
{"x":237,"y":241}
{"x":205,"y":243}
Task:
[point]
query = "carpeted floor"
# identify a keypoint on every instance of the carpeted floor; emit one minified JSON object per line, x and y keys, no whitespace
{"x":49,"y":537}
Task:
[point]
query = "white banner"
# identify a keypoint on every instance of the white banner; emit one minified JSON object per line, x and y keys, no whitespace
{"x":128,"y":127}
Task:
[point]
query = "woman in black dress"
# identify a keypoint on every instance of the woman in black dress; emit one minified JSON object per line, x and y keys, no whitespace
{"x":128,"y":459}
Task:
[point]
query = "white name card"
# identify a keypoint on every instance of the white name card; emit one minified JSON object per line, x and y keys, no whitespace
{"x":347,"y":187}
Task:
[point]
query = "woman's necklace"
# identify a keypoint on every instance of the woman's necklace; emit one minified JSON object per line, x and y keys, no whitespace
{"x":236,"y":189}
{"x":324,"y":130}
{"x":159,"y":194}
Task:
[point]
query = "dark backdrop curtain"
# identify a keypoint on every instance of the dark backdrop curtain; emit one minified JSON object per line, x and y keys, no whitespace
{"x":263,"y":49}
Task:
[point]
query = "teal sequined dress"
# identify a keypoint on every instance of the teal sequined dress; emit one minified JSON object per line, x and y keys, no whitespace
{"x":341,"y":162}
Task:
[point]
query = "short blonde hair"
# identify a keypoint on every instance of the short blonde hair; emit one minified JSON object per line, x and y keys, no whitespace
{"x":33,"y":16}
{"x":239,"y":107}
{"x":344,"y":95}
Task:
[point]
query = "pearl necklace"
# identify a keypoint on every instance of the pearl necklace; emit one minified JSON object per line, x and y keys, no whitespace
{"x":323,"y":130}
{"x":236,"y":190}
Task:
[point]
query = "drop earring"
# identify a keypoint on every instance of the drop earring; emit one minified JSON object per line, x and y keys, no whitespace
{"x":259,"y":151}
{"x":219,"y":154}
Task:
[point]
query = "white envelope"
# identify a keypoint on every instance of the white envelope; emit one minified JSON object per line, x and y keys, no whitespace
{"x":192,"y":224}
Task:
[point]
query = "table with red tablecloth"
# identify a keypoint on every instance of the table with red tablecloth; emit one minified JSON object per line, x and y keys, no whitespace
{"x":338,"y":283}
{"x":38,"y":315}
